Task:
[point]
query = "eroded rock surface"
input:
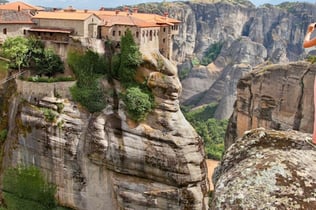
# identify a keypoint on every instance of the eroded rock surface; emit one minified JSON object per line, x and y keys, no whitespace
{"x":267,"y":169}
{"x":276,"y":96}
{"x":105,"y":160}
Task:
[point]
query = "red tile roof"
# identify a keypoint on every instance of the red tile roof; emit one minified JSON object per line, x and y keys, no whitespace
{"x":126,"y":20}
{"x":150,"y":19}
{"x":63,"y":15}
{"x":18,"y":4}
{"x":15,"y":17}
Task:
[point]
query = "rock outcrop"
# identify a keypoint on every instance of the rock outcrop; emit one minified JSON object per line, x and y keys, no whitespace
{"x":267,"y":169}
{"x":105,"y":160}
{"x":253,"y":34}
{"x":278,"y":96}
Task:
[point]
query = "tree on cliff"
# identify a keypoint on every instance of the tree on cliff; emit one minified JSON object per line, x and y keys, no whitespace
{"x":31,"y":52}
{"x":130,"y":58}
{"x":49,"y":64}
{"x":88,"y":68}
{"x":16,"y":50}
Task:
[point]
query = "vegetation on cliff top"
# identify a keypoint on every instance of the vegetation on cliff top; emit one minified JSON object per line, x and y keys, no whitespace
{"x":88,"y":67}
{"x":137,"y":97}
{"x":31,"y":53}
{"x":210,"y":129}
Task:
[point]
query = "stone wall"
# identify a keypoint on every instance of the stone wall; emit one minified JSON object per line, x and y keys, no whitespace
{"x":33,"y":91}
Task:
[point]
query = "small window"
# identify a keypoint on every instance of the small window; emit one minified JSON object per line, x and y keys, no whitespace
{"x":164,"y":29}
{"x":24,"y":31}
{"x":137,"y":34}
{"x":143,"y":33}
{"x":151,"y":35}
{"x":5,"y":31}
{"x":51,"y":34}
{"x":119,"y":33}
{"x":113,"y":33}
{"x":164,"y":40}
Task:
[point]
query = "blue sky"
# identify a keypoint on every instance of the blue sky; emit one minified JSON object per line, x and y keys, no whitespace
{"x":96,"y":4}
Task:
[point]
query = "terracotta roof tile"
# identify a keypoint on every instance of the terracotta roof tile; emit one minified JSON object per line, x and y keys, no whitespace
{"x":22,"y":5}
{"x":110,"y":20}
{"x":15,"y":17}
{"x":152,"y":19}
{"x":63,"y":15}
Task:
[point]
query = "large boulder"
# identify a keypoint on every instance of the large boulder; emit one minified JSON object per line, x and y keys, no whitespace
{"x":267,"y":169}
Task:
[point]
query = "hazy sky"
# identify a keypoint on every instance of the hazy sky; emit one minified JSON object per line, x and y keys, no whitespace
{"x":96,"y":4}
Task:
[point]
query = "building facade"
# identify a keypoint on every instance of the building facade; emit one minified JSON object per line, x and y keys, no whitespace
{"x":14,"y":23}
{"x":59,"y":24}
{"x":151,"y":32}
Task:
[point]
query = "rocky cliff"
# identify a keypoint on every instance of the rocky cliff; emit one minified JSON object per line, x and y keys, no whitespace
{"x":278,"y":96}
{"x":267,"y":169}
{"x":250,"y":36}
{"x":106,"y":160}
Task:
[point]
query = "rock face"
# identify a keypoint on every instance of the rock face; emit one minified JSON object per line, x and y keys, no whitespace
{"x":278,"y":96}
{"x":267,"y":169}
{"x":105,"y":160}
{"x":249,"y":35}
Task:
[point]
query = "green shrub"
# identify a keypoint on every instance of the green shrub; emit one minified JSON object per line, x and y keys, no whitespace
{"x":49,"y":114}
{"x":49,"y":63}
{"x":195,"y":61}
{"x":211,"y":53}
{"x":91,"y":97}
{"x":184,"y":73}
{"x":311,"y":58}
{"x":88,"y":68}
{"x":138,"y":103}
{"x":26,"y":188}
{"x":210,"y":129}
{"x":3,"y":135}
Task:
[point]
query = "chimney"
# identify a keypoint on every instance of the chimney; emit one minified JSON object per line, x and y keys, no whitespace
{"x":166,"y":14}
{"x":126,"y":9}
{"x":19,"y":8}
{"x":85,"y":11}
{"x":54,"y":9}
{"x":135,"y":10}
{"x":117,"y":12}
{"x":102,"y":9}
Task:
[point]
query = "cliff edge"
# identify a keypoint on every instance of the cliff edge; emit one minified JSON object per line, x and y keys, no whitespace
{"x":105,"y":160}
